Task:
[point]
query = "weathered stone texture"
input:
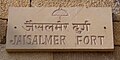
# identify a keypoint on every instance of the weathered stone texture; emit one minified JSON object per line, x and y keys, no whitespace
{"x":115,"y":4}
{"x":116,"y":10}
{"x":4,"y":55}
{"x":116,"y":29}
{"x":116,"y":7}
{"x":72,"y":3}
{"x":84,"y":56}
{"x":3,"y":24}
{"x":5,"y":4}
{"x":115,"y":55}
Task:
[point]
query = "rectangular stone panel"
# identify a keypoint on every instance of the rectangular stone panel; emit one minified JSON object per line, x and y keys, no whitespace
{"x":52,"y":28}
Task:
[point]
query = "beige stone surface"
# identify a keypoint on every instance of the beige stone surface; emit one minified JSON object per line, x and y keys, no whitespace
{"x":59,"y":56}
{"x":80,"y":3}
{"x":84,"y":22}
{"x":72,"y":3}
{"x":84,"y":56}
{"x":4,"y":55}
{"x":3,"y":26}
{"x":5,"y":4}
{"x":115,"y":55}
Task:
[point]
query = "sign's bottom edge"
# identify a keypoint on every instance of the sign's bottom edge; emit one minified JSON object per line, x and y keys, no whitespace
{"x":59,"y":50}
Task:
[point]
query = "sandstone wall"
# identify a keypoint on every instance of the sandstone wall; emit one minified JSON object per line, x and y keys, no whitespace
{"x":5,"y":4}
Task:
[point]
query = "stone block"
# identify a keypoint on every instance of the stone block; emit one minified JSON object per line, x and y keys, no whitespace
{"x":72,"y":3}
{"x":5,"y":4}
{"x":116,"y":29}
{"x":3,"y":26}
{"x":84,"y":56}
{"x":116,"y":17}
{"x":114,"y":55}
{"x":4,"y":55}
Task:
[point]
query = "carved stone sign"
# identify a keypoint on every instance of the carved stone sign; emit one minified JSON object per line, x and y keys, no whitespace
{"x":52,"y":28}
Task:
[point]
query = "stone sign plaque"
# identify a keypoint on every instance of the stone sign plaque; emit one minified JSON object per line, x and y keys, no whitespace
{"x":59,"y":28}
